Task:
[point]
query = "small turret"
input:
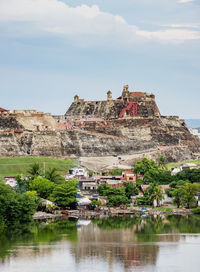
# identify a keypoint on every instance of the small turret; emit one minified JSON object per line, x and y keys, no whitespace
{"x":125,"y":93}
{"x":76,"y":99}
{"x":109,"y":95}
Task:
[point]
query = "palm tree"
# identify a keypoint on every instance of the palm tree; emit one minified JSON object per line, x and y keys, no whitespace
{"x":34,"y":170}
{"x":52,"y":175}
{"x":157,"y":195}
{"x":162,"y":162}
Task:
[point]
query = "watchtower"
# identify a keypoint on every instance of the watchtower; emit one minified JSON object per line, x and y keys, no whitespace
{"x":76,"y":99}
{"x":125,"y":93}
{"x":109,"y":95}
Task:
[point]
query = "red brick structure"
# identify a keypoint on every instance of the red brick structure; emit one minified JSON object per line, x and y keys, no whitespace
{"x":129,"y":176}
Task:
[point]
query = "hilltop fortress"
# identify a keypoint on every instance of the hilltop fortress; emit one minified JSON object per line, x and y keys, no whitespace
{"x":128,"y":125}
{"x":128,"y":105}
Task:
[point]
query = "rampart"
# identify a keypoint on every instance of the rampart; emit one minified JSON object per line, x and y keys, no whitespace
{"x":129,"y":104}
{"x":130,"y":124}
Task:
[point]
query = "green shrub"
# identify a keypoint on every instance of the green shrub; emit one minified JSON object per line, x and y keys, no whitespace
{"x":42,"y":186}
{"x":196,"y":210}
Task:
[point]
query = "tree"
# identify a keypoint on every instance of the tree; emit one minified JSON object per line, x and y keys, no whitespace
{"x":158,"y":176}
{"x":139,"y":183}
{"x":95,"y":203}
{"x":175,"y":185}
{"x":15,"y":208}
{"x":42,"y":186}
{"x":188,"y":199}
{"x":130,"y":189}
{"x":26,"y":207}
{"x":177,"y":195}
{"x":157,"y":195}
{"x":117,"y":200}
{"x":65,"y":194}
{"x":144,"y":165}
{"x":116,"y":172}
{"x":22,"y":185}
{"x":162,"y":162}
{"x":115,"y":196}
{"x":34,"y":197}
{"x":90,"y":173}
{"x":34,"y":170}
{"x":52,"y":175}
{"x":102,"y":189}
{"x":193,"y":175}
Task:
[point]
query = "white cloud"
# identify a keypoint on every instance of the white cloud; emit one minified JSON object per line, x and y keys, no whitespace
{"x":170,"y":35}
{"x":185,"y":1}
{"x":181,"y":25}
{"x":26,"y":17}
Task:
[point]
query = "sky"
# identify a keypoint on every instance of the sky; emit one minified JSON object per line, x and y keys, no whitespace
{"x":51,"y":50}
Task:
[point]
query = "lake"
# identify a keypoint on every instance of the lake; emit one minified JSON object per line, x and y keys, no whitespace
{"x":170,"y":243}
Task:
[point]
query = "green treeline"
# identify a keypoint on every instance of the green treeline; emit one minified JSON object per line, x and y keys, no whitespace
{"x":15,"y":208}
{"x":18,"y":205}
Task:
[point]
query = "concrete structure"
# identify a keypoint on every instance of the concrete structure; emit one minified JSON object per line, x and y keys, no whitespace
{"x":88,"y":184}
{"x":129,"y":176}
{"x":77,"y":172}
{"x":182,"y":167}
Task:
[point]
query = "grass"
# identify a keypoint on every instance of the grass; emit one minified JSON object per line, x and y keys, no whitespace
{"x":164,"y":209}
{"x":20,"y":165}
{"x":174,"y":165}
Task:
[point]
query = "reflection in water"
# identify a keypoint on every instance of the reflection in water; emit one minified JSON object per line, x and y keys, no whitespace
{"x":119,"y":244}
{"x":116,"y":245}
{"x":14,"y":242}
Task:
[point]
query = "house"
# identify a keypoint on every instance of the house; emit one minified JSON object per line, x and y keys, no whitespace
{"x":88,"y":184}
{"x":113,"y":181}
{"x":188,"y":166}
{"x":129,"y":176}
{"x":182,"y":167}
{"x":11,"y":181}
{"x":76,"y":173}
{"x":175,"y":171}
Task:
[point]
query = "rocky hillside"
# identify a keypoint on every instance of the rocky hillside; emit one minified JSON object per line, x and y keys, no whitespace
{"x":131,"y":124}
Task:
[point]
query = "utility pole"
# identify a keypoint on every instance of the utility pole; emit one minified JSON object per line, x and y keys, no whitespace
{"x":44,"y":168}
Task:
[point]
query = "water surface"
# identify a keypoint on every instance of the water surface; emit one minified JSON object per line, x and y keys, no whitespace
{"x":170,"y":243}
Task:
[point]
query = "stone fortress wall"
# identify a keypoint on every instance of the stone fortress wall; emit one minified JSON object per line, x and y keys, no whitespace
{"x":113,"y":109}
{"x":130,"y":124}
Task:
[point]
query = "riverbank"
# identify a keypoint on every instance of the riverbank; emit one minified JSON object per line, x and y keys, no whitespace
{"x":106,"y":212}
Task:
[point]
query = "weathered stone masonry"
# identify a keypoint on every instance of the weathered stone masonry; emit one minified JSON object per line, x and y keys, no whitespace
{"x":130,"y":124}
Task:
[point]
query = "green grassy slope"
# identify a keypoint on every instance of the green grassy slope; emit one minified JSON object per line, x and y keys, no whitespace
{"x":20,"y":165}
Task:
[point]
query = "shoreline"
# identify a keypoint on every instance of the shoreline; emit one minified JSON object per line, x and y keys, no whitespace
{"x":91,"y":214}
